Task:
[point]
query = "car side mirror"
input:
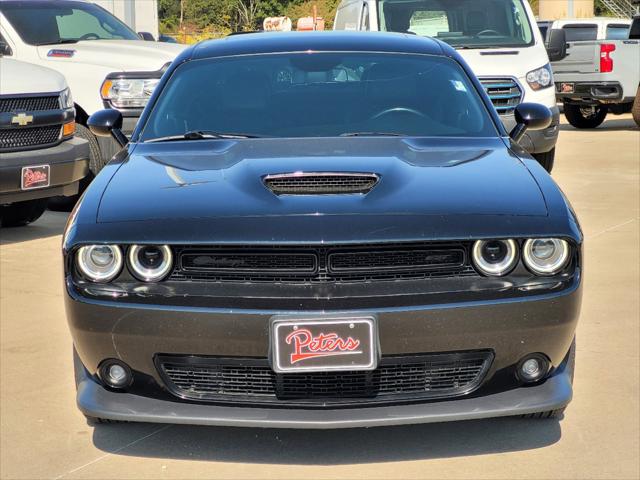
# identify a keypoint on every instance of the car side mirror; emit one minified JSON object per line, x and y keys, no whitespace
{"x":530,"y":116}
{"x":557,"y":44}
{"x":106,"y":123}
{"x":147,"y":36}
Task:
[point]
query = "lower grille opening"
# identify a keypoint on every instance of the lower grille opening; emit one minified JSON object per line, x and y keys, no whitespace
{"x":252,"y":381}
{"x":28,"y":137}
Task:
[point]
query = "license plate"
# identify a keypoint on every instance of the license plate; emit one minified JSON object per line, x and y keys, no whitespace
{"x":318,"y":345}
{"x":34,"y":177}
{"x":566,"y":87}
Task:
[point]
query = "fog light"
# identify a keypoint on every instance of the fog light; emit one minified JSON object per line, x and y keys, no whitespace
{"x":532,"y":368}
{"x":115,"y":374}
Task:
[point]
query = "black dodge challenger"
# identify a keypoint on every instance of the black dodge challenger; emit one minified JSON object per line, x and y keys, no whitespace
{"x":322,"y":230}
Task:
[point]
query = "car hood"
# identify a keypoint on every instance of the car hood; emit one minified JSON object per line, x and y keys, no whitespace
{"x":118,"y":55}
{"x":504,"y":62}
{"x":25,"y":78}
{"x":224,"y":179}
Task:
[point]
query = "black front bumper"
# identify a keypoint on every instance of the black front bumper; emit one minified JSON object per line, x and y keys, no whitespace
{"x":68,"y":161}
{"x":95,"y":401}
{"x":137,"y":334}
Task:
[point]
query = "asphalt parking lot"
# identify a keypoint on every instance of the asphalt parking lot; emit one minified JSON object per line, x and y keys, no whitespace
{"x":45,"y":436}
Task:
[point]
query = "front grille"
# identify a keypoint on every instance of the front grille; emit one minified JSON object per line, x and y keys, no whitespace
{"x":28,"y":104}
{"x":253,"y":381}
{"x":322,"y":264}
{"x":326,"y":183}
{"x":11,"y":138}
{"x":505,"y":93}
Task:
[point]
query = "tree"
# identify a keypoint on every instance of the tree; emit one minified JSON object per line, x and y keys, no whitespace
{"x":246,"y":11}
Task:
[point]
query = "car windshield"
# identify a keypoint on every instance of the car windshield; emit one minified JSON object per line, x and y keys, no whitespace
{"x":50,"y":23}
{"x":460,"y":23}
{"x":319,"y":95}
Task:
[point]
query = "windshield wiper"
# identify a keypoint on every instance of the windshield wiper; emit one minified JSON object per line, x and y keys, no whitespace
{"x":59,"y":42}
{"x":202,"y":135}
{"x":372,"y":134}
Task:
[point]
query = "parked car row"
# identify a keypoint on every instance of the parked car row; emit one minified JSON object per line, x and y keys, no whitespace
{"x":600,"y":73}
{"x":106,"y":64}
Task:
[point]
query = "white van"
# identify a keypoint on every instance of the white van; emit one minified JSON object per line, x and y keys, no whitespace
{"x":499,"y":40}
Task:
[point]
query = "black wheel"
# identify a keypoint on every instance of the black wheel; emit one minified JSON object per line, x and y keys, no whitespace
{"x":620,"y":108}
{"x":585,"y":116}
{"x":79,"y":373}
{"x":22,"y":213}
{"x":635,"y":110}
{"x":546,"y":159}
{"x":96,"y":162}
{"x":559,"y":412}
{"x":92,"y":421}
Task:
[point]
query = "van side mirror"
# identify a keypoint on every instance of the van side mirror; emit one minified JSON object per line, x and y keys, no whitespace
{"x":530,"y":116}
{"x":5,"y":49}
{"x":147,"y":36}
{"x":106,"y":123}
{"x":557,"y":44}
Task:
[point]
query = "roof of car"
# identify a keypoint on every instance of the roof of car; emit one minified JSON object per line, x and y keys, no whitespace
{"x":280,"y":42}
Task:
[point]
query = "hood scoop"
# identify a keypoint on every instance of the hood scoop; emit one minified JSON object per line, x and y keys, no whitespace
{"x":321,"y":183}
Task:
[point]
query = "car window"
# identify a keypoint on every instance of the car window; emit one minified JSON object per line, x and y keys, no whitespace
{"x":461,"y":23}
{"x":544,"y":27}
{"x":580,"y":32}
{"x":617,"y":32}
{"x":323,"y":95}
{"x":56,"y":22}
{"x":348,"y":16}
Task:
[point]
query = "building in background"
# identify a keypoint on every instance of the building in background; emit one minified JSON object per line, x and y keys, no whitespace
{"x":557,"y":9}
{"x":140,"y":15}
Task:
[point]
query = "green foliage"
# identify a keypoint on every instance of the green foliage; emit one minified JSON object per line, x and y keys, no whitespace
{"x":226,"y":15}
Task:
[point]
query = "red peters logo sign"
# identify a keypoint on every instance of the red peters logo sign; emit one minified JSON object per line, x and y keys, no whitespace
{"x":306,"y":346}
{"x":34,"y":177}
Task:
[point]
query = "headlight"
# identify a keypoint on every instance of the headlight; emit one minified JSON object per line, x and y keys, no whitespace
{"x":495,"y":257}
{"x":128,"y":92}
{"x":99,"y":263}
{"x":66,"y":100}
{"x":540,"y":78}
{"x":150,"y":263}
{"x":545,"y":256}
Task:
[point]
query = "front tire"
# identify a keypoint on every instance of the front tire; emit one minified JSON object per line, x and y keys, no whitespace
{"x":635,"y":110}
{"x":96,"y":162}
{"x":546,"y":159}
{"x":22,"y":213}
{"x":559,"y":412}
{"x":585,"y":117}
{"x":80,"y":372}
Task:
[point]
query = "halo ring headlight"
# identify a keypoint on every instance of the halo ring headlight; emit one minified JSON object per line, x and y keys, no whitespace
{"x":150,"y":263}
{"x":495,"y":257}
{"x":99,"y":263}
{"x":545,"y":256}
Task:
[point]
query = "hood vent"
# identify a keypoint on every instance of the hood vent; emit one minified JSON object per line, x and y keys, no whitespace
{"x":321,"y":183}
